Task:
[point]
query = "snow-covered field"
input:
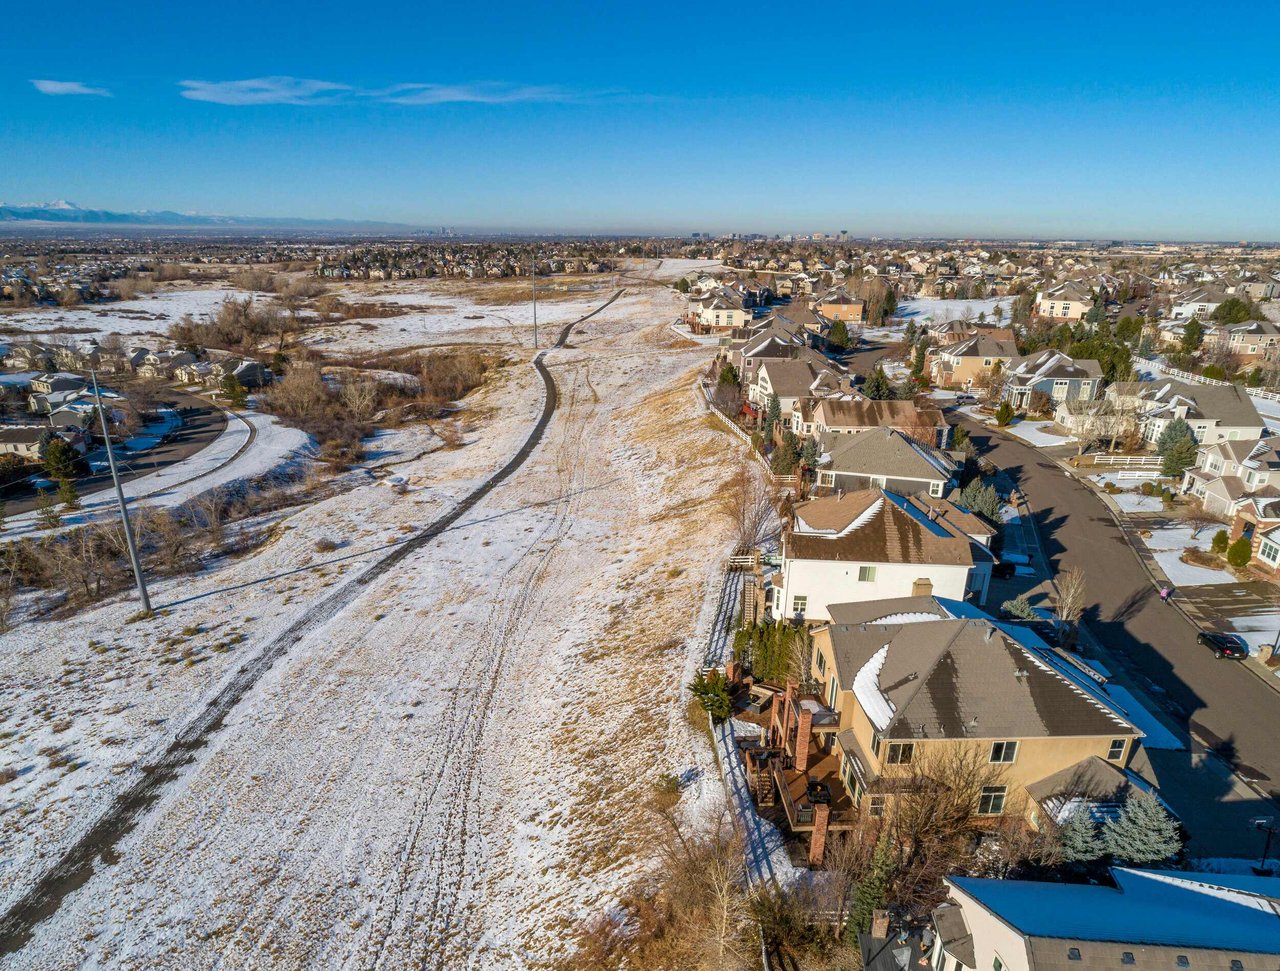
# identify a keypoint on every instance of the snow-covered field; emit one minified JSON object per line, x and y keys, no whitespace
{"x":1039,"y":433}
{"x":922,"y":309}
{"x":445,"y":774}
{"x":146,"y":316}
{"x":1137,"y":502}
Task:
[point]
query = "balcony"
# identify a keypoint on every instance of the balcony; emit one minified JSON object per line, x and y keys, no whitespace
{"x":794,"y":788}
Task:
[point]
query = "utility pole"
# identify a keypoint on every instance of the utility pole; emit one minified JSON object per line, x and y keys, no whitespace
{"x":533,"y":283}
{"x":124,"y":510}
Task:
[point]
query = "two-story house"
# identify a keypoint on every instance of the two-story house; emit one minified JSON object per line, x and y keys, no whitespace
{"x":1199,"y":302}
{"x":1215,"y":412}
{"x":1249,"y":342}
{"x":846,"y":416}
{"x":967,"y":362}
{"x":719,"y":311}
{"x":1228,"y":473}
{"x":1053,"y":373}
{"x":839,"y":304}
{"x":875,"y":545}
{"x":885,"y":458}
{"x":791,"y":381}
{"x":1066,"y":302}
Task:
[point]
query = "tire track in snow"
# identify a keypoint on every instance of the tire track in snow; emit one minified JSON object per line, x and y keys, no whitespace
{"x":78,"y":862}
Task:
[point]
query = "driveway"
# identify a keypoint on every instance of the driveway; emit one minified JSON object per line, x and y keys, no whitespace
{"x":1236,"y":714}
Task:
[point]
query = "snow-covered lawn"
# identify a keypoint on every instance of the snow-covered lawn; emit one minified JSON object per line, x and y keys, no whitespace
{"x":1122,"y":481}
{"x":1137,"y":502}
{"x":1167,"y":545}
{"x":1039,"y":433}
{"x":448,"y":771}
{"x":1260,"y":630}
{"x":933,"y":309}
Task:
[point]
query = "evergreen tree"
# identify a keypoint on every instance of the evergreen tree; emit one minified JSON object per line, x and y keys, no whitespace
{"x":67,"y":494}
{"x":234,"y":390}
{"x":877,"y":385}
{"x":1079,"y":840}
{"x":809,"y":453}
{"x":1220,"y":542}
{"x":839,"y":335}
{"x":59,"y":458}
{"x":982,"y":499}
{"x":772,"y":415}
{"x":1143,"y":834}
{"x":1192,"y":336}
{"x":728,"y":376}
{"x":712,"y":692}
{"x":1146,"y":345}
{"x":917,"y":363}
{"x":1180,"y":456}
{"x":1233,"y":310}
{"x":873,"y":888}
{"x":1005,"y":414}
{"x":1240,"y":552}
{"x":1173,"y":433}
{"x":909,"y":334}
{"x":47,"y":510}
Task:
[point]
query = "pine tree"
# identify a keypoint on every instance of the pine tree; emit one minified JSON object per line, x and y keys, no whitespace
{"x":1173,"y":432}
{"x":1192,"y":336}
{"x":809,"y":453}
{"x":1143,"y":833}
{"x":1079,"y":840}
{"x":1180,"y":457}
{"x":772,"y":415}
{"x":982,"y":499}
{"x":877,"y":385}
{"x":917,"y":363}
{"x":234,"y":390}
{"x":839,"y":334}
{"x":47,"y":510}
{"x":67,"y":494}
{"x":873,"y":889}
{"x":1240,"y":552}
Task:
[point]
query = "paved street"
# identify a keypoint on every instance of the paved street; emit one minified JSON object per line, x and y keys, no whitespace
{"x":1226,"y":705}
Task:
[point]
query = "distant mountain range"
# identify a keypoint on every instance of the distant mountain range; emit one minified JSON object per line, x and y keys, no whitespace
{"x":69,"y":213}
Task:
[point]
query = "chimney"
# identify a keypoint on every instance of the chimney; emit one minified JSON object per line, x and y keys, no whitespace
{"x":991,"y":632}
{"x":880,"y":924}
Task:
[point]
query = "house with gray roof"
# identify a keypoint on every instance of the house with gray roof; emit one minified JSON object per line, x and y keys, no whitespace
{"x":1215,"y":412}
{"x":884,"y":458}
{"x":1052,"y":373}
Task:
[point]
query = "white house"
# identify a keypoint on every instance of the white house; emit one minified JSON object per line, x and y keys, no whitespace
{"x":1198,"y":302}
{"x":1215,"y":412}
{"x":1227,"y":474}
{"x":877,"y":545}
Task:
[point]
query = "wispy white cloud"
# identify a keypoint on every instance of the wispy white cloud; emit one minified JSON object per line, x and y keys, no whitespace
{"x":284,"y":90}
{"x":485,"y":92}
{"x":69,"y":87}
{"x":278,"y":90}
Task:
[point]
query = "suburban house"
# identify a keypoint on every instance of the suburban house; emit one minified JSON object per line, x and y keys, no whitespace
{"x":163,"y":364}
{"x":1054,"y":374}
{"x":1065,"y":302}
{"x":774,"y":343}
{"x":875,"y":545}
{"x":839,"y":304}
{"x":1257,"y":517}
{"x":1150,"y":919}
{"x":1215,"y":412}
{"x":28,"y":442}
{"x":250,"y":374}
{"x":790,"y":381}
{"x":845,"y":416}
{"x":954,"y":331}
{"x":887,"y":459}
{"x":897,"y":687}
{"x":1198,"y":302}
{"x":719,"y":311}
{"x":30,"y":357}
{"x":1248,"y":342}
{"x":1256,"y":289}
{"x":57,"y":381}
{"x":1228,"y":473}
{"x":967,"y":362}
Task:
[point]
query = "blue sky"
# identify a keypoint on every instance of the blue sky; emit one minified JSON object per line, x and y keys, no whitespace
{"x":1050,"y":119}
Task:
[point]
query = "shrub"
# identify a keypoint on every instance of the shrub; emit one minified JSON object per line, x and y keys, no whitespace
{"x":712,"y":692}
{"x":1220,"y":542}
{"x":1019,"y":607}
{"x":1239,"y":553}
{"x":1146,"y":488}
{"x":325,"y":545}
{"x":1005,"y":414}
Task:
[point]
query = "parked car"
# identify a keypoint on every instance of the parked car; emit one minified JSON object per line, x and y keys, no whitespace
{"x":1223,"y":645}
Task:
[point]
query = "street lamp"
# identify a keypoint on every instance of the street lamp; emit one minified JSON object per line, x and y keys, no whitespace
{"x":124,"y":511}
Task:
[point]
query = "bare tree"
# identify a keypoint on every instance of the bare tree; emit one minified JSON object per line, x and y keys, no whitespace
{"x":1071,"y":601}
{"x":1199,"y":520}
{"x":361,"y":398}
{"x":748,"y":504}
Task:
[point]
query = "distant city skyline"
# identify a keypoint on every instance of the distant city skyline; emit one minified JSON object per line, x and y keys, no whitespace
{"x":577,"y":119}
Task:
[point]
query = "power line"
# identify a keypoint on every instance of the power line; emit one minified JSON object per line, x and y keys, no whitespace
{"x":124,"y":510}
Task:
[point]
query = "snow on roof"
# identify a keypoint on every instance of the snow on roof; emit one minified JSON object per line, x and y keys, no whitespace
{"x":866,"y":688}
{"x":915,"y":617}
{"x":860,"y":520}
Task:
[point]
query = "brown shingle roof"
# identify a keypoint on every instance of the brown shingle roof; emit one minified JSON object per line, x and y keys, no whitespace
{"x":891,"y":532}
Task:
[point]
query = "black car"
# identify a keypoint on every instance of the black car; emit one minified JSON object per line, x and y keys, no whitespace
{"x":1223,"y":645}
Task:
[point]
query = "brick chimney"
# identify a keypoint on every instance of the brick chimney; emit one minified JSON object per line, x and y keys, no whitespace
{"x":880,"y":924}
{"x":804,"y":728}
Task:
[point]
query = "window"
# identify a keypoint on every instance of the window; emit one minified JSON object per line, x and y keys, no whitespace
{"x":997,"y":964}
{"x":826,"y":478}
{"x":899,"y":753}
{"x":1269,"y":551}
{"x":1116,"y":750}
{"x":1004,"y":751}
{"x":1237,"y":965}
{"x":991,"y":802}
{"x":875,"y":806}
{"x":867,"y":574}
{"x":1073,"y":954}
{"x":832,"y":692}
{"x":1127,"y":958}
{"x":1183,"y":961}
{"x":875,"y":743}
{"x":820,"y":661}
{"x":798,"y":604}
{"x":935,"y":489}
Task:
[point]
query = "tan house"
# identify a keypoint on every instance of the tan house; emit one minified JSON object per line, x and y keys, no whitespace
{"x":719,"y":311}
{"x":1066,"y":302}
{"x":898,"y":686}
{"x":968,"y":363}
{"x":1248,"y":342}
{"x":839,"y":304}
{"x":846,"y":416}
